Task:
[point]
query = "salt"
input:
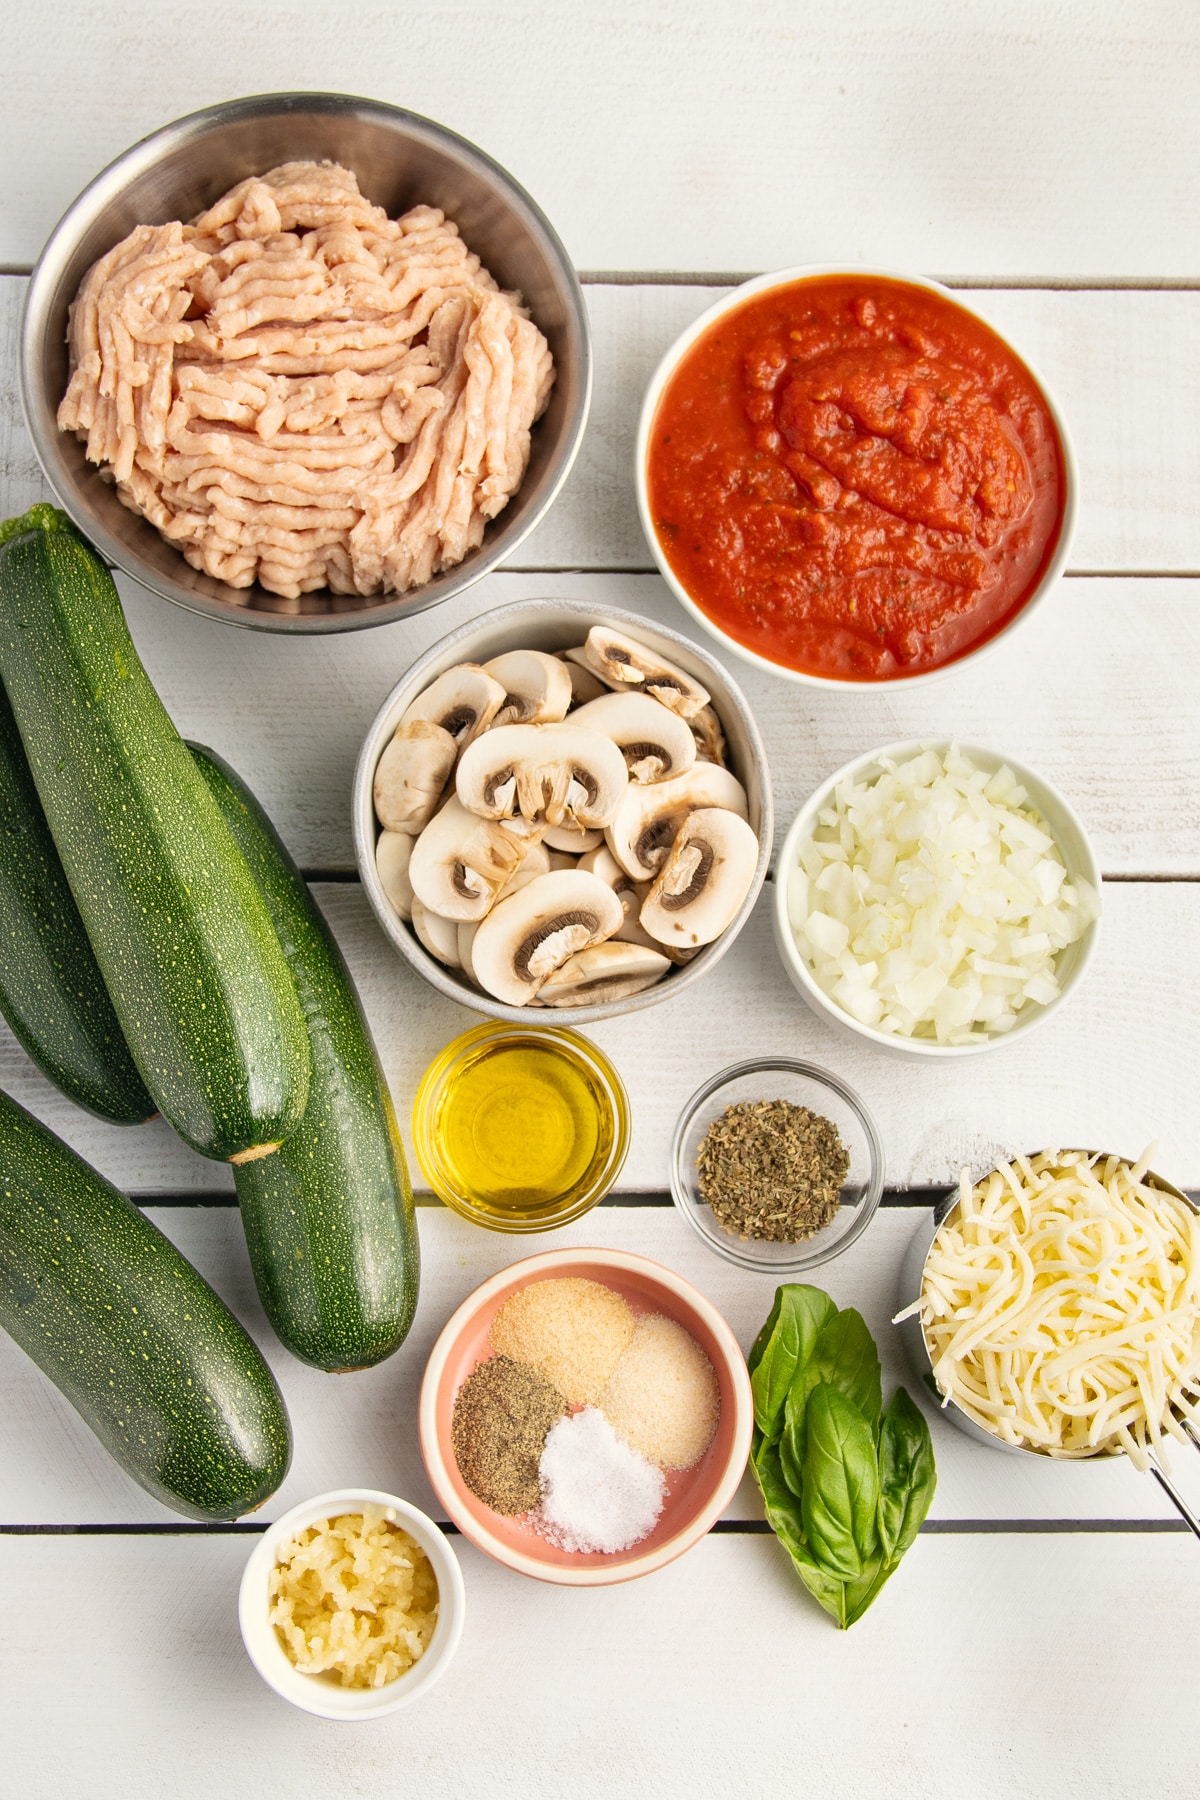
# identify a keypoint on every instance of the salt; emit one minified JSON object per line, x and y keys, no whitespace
{"x":597,"y":1493}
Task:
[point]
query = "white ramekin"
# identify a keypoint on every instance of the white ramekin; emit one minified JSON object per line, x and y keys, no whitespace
{"x":313,"y":1693}
{"x":1063,"y":824}
{"x":763,"y":284}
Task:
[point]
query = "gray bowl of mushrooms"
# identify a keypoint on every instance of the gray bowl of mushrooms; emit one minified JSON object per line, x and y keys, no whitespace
{"x":561,"y":807}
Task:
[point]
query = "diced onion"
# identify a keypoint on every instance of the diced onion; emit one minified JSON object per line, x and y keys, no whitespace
{"x":932,"y":902}
{"x":1061,"y":1305}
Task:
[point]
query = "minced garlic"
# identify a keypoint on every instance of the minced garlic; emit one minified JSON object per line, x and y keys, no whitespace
{"x":354,"y":1598}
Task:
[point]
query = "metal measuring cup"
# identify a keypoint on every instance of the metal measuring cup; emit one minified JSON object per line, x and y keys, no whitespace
{"x":912,"y":1334}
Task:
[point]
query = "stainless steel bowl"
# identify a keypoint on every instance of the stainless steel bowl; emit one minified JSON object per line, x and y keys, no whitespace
{"x":556,"y":625}
{"x":399,"y":159}
{"x":912,"y":1332}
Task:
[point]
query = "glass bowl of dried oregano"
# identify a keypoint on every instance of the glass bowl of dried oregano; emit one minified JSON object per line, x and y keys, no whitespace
{"x":777,"y":1164}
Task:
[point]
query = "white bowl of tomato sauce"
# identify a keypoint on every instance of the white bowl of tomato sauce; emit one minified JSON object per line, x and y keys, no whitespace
{"x":850,"y":478}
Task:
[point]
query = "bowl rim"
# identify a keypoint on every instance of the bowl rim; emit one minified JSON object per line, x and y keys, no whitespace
{"x":597,"y":1575}
{"x":1087,"y":868}
{"x":309,"y":1692}
{"x":733,"y":1249}
{"x":730,"y":302}
{"x":912,"y":1328}
{"x":364,"y":826}
{"x":424,"y":1142}
{"x":191,"y":128}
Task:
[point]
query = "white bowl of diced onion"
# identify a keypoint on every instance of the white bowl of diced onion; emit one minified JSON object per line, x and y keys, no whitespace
{"x":936,"y":898}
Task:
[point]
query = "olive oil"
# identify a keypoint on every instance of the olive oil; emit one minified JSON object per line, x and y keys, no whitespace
{"x":520,"y":1129}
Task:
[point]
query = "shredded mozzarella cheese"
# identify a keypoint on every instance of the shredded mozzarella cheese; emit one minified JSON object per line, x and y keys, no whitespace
{"x":931,"y":901}
{"x":1061,"y":1305}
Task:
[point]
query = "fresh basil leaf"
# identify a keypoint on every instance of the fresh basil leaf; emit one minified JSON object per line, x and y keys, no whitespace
{"x":845,"y":1356}
{"x":781,"y":1506}
{"x":760,"y":1447}
{"x":764,"y":1337}
{"x":840,"y":1496}
{"x":907,"y":1475}
{"x":844,"y":1488}
{"x":791,"y":1442}
{"x":844,"y":1601}
{"x":858,"y":1595}
{"x":783,"y":1516}
{"x":825,"y":1588}
{"x":783,"y":1348}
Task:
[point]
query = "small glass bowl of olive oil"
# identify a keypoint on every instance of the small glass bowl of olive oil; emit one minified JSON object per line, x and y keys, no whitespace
{"x":521,"y":1128}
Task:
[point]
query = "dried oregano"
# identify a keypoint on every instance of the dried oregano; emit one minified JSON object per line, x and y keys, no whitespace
{"x":772,"y":1171}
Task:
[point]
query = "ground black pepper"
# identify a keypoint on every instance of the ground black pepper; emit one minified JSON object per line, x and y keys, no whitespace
{"x":502,"y":1414}
{"x":772,"y":1170}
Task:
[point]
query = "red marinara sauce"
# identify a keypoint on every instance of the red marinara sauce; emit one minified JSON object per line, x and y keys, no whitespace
{"x":855,"y":478}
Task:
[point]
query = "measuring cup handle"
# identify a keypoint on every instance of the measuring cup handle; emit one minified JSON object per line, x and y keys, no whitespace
{"x":1176,"y":1498}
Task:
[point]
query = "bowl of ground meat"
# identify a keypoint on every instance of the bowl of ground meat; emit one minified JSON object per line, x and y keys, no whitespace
{"x":305,"y":362}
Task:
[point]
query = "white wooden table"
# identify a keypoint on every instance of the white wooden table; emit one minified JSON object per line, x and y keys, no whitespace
{"x":1041,"y":1637}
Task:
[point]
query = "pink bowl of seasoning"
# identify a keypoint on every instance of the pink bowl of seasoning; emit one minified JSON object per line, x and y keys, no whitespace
{"x":692,"y":1498}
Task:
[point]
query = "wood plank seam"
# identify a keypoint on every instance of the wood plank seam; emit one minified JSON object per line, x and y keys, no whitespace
{"x":1073,"y":574}
{"x":723,"y":278}
{"x":916,"y":1198}
{"x":1048,"y":284}
{"x":722,"y":1528}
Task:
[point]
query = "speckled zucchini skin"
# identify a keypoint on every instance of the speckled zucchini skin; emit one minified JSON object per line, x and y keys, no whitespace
{"x":51,"y":991}
{"x":179,"y":929}
{"x":329,"y":1218}
{"x":125,"y":1327}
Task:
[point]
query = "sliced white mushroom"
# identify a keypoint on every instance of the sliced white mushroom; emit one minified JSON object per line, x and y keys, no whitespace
{"x":391,"y":861}
{"x":565,"y":859}
{"x":410,"y":775}
{"x":439,"y":935}
{"x":529,"y":934}
{"x":629,"y":892}
{"x":528,"y":869}
{"x":535,"y":862}
{"x":467,"y":929}
{"x":703,"y":881}
{"x":537,"y":687}
{"x":649,"y":816}
{"x":585,"y":683}
{"x":710,"y":739}
{"x":537,"y":859}
{"x":463,"y":701}
{"x":464,"y":938}
{"x":603,"y":863}
{"x":656,"y":743}
{"x":549,"y":774}
{"x":460,"y":862}
{"x":622,"y":663}
{"x":611,"y":971}
{"x":571,"y":840}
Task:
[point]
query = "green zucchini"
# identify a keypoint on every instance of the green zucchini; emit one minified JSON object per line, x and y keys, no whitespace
{"x":180,"y":932}
{"x":126,"y":1328}
{"x":329,"y":1218}
{"x":51,"y":991}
